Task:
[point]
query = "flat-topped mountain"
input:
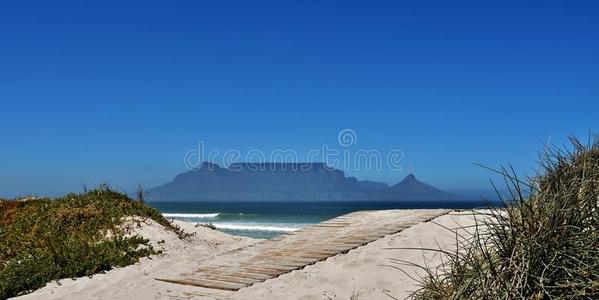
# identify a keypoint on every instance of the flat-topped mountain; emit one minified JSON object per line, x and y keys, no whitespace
{"x":285,"y":182}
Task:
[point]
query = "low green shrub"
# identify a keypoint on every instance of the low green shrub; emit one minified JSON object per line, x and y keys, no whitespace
{"x":77,"y":235}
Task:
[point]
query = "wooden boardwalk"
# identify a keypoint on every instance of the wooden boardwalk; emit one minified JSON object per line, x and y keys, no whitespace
{"x":271,"y":258}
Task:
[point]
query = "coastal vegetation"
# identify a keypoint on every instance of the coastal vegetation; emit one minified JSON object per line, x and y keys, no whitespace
{"x":543,"y":245}
{"x":76,"y":235}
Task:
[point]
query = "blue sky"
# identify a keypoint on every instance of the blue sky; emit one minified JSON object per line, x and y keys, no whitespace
{"x":108,"y":91}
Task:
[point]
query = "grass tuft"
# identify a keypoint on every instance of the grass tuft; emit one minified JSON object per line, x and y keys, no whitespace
{"x":543,"y":245}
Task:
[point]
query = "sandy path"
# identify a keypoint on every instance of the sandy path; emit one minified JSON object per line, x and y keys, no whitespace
{"x":361,"y":272}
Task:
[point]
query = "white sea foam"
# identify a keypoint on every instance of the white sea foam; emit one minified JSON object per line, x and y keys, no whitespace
{"x":256,"y":227}
{"x":182,"y":215}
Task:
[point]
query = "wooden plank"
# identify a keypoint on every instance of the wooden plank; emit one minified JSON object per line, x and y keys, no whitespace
{"x":314,"y":254}
{"x":353,"y":240}
{"x":242,"y":269}
{"x":257,"y":269}
{"x":259,"y":273}
{"x":242,"y":279}
{"x":270,"y":268}
{"x":333,"y":223}
{"x":252,"y":275}
{"x":329,"y":225}
{"x":281,"y":263}
{"x":294,"y":261}
{"x":265,"y":270}
{"x":296,"y":254}
{"x":205,"y":283}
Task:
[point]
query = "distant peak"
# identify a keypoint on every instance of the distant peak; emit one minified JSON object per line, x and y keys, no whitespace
{"x":410,"y":177}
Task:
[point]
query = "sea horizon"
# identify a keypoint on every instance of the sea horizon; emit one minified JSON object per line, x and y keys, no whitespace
{"x":266,"y":219}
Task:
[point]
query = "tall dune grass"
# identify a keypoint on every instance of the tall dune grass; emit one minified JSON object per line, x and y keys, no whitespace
{"x":542,"y":246}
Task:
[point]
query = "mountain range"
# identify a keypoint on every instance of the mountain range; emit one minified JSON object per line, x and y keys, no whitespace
{"x":286,"y":182}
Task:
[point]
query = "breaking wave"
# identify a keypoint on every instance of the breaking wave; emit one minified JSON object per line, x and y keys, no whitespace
{"x":256,"y":227}
{"x":182,"y":215}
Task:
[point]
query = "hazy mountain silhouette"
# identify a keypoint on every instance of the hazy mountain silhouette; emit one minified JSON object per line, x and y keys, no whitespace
{"x":285,"y":182}
{"x":411,"y":188}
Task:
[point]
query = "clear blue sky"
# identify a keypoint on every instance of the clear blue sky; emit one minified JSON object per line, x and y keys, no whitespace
{"x":118,"y":91}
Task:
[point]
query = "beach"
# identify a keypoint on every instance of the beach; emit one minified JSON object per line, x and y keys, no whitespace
{"x":266,"y":219}
{"x":365,"y":272}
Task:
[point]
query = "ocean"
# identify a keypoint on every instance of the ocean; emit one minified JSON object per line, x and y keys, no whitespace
{"x":269,"y":219}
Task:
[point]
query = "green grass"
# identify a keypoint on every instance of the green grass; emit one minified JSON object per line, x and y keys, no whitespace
{"x":542,"y":246}
{"x":47,"y":239}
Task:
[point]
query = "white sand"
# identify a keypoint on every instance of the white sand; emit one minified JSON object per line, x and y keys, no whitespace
{"x":361,"y":272}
